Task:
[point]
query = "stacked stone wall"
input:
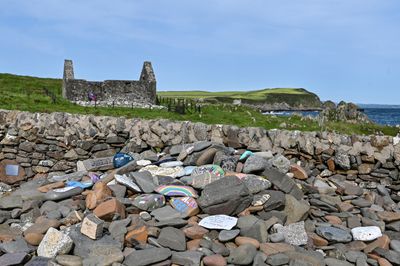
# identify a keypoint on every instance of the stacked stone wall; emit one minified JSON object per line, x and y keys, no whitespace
{"x":43,"y":143}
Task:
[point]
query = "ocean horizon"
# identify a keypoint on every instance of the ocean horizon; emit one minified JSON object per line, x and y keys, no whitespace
{"x":384,"y":115}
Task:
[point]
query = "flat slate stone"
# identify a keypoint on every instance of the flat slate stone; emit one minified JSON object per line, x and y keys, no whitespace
{"x":145,"y":181}
{"x":334,"y":234}
{"x":189,"y":258}
{"x":336,"y":262}
{"x":38,"y":261}
{"x":295,"y":210}
{"x":10,"y":259}
{"x":147,"y":256}
{"x":17,"y":246}
{"x":11,"y":202}
{"x":172,"y":238}
{"x":242,"y":255}
{"x":283,"y":183}
{"x":165,"y":213}
{"x":276,"y":200}
{"x":228,"y":235}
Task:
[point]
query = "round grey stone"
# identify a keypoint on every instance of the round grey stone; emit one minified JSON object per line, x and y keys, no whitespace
{"x":227,"y":235}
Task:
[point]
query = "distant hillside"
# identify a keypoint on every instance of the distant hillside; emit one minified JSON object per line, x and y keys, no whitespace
{"x":266,"y":99}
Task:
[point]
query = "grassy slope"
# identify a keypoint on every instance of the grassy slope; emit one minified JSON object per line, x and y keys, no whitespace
{"x":294,"y":97}
{"x":26,"y":94}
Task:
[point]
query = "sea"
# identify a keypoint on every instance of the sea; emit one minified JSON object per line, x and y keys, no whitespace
{"x":382,"y":116}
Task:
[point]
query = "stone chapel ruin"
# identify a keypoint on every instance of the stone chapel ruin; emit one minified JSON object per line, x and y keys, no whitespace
{"x":128,"y":93}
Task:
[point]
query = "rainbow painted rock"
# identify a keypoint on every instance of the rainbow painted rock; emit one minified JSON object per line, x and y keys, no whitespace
{"x":175,"y":190}
{"x":209,"y":168}
{"x":185,"y":205}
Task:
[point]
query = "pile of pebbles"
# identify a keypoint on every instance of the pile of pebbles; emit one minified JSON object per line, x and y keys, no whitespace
{"x":205,"y":204}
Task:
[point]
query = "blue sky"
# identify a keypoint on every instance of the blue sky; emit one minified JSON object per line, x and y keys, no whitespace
{"x":339,"y":49}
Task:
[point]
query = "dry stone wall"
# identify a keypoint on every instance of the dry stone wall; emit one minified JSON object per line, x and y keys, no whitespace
{"x":42,"y":143}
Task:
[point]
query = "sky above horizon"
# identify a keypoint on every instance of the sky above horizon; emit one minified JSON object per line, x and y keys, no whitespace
{"x":338,"y":49}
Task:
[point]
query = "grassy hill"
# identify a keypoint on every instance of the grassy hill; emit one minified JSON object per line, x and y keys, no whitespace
{"x":291,"y":96}
{"x":28,"y":94}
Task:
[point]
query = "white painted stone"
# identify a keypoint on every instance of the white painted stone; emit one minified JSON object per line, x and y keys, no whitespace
{"x":54,"y":243}
{"x":366,"y":233}
{"x":171,"y":164}
{"x":219,"y":222}
{"x":143,"y":162}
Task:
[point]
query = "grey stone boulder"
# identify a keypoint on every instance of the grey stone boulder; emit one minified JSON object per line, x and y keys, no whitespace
{"x":255,"y":164}
{"x":281,"y":163}
{"x":256,"y":184}
{"x":295,"y":210}
{"x":228,"y":195}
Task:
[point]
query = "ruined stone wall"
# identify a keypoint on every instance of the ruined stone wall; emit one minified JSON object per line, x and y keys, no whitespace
{"x":118,"y":91}
{"x":110,"y":92}
{"x":43,"y":143}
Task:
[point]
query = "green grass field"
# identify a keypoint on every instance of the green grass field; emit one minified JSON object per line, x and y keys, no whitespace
{"x":27,"y":94}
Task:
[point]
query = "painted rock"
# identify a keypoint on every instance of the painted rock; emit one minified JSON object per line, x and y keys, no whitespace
{"x":83,"y":185}
{"x":105,"y":163}
{"x":149,"y":202}
{"x":209,"y":168}
{"x":200,"y":181}
{"x":366,"y":233}
{"x":259,"y":200}
{"x":164,"y":171}
{"x":186,"y":205}
{"x":128,"y":182}
{"x":171,"y":164}
{"x":219,"y":222}
{"x":174,"y":190}
{"x":62,"y":193}
{"x":120,"y":159}
{"x":245,"y":155}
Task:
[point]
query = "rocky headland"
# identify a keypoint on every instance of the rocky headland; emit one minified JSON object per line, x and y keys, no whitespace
{"x":92,"y":190}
